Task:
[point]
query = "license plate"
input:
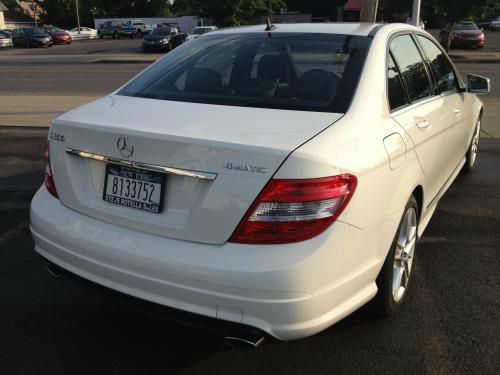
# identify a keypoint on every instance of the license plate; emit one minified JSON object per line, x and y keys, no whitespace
{"x":134,"y":188}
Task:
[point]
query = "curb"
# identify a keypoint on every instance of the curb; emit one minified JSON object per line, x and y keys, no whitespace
{"x":465,"y":60}
{"x":124,"y":61}
{"x":25,"y":127}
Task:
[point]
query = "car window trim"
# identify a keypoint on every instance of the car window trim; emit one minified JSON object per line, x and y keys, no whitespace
{"x":428,"y":68}
{"x":403,"y":83}
{"x":430,"y":78}
{"x":412,"y":106}
{"x":428,"y":62}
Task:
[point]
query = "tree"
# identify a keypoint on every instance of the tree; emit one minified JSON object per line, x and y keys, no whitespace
{"x":465,"y":9}
{"x":10,"y":4}
{"x":63,"y":12}
{"x":136,"y":8}
{"x":225,"y":12}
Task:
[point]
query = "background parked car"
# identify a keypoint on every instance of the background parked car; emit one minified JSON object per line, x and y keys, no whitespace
{"x":85,"y":33}
{"x":115,"y":30}
{"x":163,"y":39}
{"x":59,"y":36}
{"x":486,"y":23}
{"x":462,"y":34}
{"x":32,"y":38}
{"x":495,"y":26}
{"x":6,"y":33}
{"x":200,"y":30}
{"x":140,"y":28}
{"x":5,"y":40}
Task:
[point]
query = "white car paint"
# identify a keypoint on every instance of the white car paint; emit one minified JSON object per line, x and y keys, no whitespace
{"x":85,"y":33}
{"x":181,"y":258}
{"x":193,"y":34}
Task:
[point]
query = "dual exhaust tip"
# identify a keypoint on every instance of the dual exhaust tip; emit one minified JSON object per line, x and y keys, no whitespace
{"x":249,"y":341}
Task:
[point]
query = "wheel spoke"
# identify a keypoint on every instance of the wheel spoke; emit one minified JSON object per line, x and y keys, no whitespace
{"x":405,"y":274}
{"x":396,"y":282}
{"x":403,"y":254}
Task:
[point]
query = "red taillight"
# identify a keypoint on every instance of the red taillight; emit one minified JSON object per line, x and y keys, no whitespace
{"x":49,"y":179}
{"x":294,"y":210}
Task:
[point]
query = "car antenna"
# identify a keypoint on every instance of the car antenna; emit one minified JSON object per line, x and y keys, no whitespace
{"x":269,"y":25}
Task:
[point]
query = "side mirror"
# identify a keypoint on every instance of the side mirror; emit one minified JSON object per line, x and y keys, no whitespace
{"x":478,"y":84}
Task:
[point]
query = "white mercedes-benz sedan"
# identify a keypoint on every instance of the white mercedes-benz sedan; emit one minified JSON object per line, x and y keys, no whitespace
{"x":273,"y":177}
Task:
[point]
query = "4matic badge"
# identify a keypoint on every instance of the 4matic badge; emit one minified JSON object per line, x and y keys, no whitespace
{"x":244,"y":168}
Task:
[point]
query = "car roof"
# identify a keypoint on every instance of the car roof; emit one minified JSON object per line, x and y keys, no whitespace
{"x":362,"y":29}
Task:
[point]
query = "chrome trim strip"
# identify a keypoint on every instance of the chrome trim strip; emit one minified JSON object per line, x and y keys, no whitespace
{"x":148,"y":167}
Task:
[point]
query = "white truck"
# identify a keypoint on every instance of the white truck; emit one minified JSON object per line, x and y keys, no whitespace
{"x":141,"y":28}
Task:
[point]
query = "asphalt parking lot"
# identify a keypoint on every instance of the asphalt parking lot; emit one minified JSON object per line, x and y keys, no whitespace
{"x":449,"y":325}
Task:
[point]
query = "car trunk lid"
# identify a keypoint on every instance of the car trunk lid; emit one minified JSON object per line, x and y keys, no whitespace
{"x":231,"y":153}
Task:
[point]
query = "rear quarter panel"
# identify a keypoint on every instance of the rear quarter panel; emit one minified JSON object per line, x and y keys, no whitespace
{"x":355,"y":145}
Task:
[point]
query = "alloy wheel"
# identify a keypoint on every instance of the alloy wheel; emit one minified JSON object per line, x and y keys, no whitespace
{"x":403,"y":255}
{"x":475,"y":144}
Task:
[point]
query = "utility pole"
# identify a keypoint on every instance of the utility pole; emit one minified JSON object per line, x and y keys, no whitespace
{"x":77,"y":16}
{"x":415,"y":14}
{"x":368,"y":11}
{"x":33,"y":6}
{"x":269,"y":8}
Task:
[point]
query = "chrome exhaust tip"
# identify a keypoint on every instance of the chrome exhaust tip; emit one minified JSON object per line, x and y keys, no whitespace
{"x":244,"y":342}
{"x":54,"y":270}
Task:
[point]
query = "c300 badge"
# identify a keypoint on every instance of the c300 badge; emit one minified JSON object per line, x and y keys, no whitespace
{"x":244,"y":168}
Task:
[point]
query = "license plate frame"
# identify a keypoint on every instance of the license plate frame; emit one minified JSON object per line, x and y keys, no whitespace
{"x":130,"y":173}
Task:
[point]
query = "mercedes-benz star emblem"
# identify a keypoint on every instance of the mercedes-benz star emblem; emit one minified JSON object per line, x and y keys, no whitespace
{"x":125,"y":147}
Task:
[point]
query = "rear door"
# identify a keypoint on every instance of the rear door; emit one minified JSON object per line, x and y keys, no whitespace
{"x":455,"y":100}
{"x":424,"y":117}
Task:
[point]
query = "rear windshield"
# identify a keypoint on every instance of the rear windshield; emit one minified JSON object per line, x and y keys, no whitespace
{"x":296,"y":71}
{"x":465,"y":26}
{"x":161,"y":31}
{"x":201,"y":30}
{"x":35,"y":32}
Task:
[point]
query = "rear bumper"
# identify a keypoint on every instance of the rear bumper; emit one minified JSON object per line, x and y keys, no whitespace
{"x":153,"y":47}
{"x":38,"y":43}
{"x":467,"y":42}
{"x":62,"y":41}
{"x":288,"y":291}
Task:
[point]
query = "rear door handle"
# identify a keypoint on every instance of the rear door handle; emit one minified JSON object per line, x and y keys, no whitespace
{"x":423,"y":123}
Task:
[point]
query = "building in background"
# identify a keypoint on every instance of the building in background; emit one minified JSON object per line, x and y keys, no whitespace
{"x":3,"y":8}
{"x":388,"y":10}
{"x":31,"y":9}
{"x":19,"y":16}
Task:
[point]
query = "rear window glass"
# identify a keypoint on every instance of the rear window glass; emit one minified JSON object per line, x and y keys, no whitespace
{"x":201,"y":30}
{"x":465,"y":26}
{"x":312,"y":72}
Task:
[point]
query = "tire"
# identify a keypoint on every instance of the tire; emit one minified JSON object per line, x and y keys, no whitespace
{"x":115,"y":35}
{"x":28,"y":43}
{"x":398,"y":265}
{"x":138,"y":34}
{"x":99,"y":35}
{"x":471,"y":155}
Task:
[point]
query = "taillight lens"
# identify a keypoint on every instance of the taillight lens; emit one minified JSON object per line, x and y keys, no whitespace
{"x":49,"y":179}
{"x":294,"y":210}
